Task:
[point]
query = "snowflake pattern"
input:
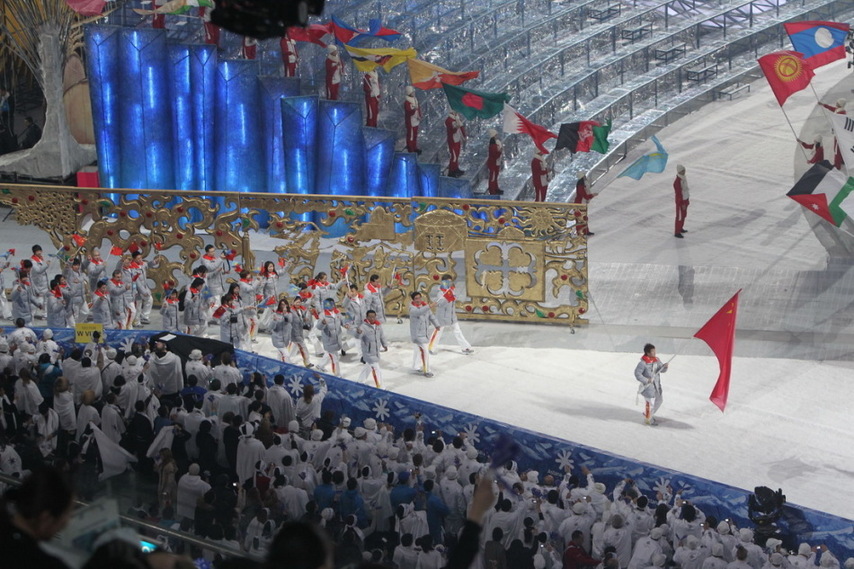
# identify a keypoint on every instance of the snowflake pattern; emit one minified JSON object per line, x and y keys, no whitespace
{"x":381,"y":409}
{"x":127,"y":345}
{"x":295,"y":386}
{"x":471,"y":433}
{"x":663,"y":489}
{"x":564,"y":460}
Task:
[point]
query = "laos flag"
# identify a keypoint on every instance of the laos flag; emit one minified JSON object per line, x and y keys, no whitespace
{"x":820,"y":42}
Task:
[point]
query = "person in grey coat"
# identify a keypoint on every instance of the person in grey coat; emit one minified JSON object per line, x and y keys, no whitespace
{"x":195,"y":308}
{"x":280,"y":329}
{"x":446,"y":315}
{"x":302,"y":321}
{"x":648,"y":373}
{"x":169,"y":312}
{"x":120,"y":301}
{"x":372,"y":337}
{"x":232,"y":323}
{"x":420,"y":317}
{"x":330,"y":326}
{"x":24,"y":299}
{"x":102,"y":309}
{"x":57,"y":311}
{"x":77,"y":283}
{"x":375,"y":296}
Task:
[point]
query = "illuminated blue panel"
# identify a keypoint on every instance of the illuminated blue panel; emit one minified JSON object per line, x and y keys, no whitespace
{"x":272,"y":91}
{"x":203,"y":62}
{"x":379,"y":154}
{"x":146,"y":123}
{"x":454,"y":188}
{"x":429,"y":174}
{"x":299,"y":141}
{"x":102,"y":67}
{"x":184,"y":144}
{"x":340,"y":149}
{"x":403,"y":182}
{"x":238,"y":143}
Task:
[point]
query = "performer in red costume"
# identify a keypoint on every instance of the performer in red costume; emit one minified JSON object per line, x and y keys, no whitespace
{"x":680,"y":186}
{"x":493,"y":162}
{"x":839,"y":109}
{"x":456,"y":134}
{"x":816,"y":147}
{"x":371,"y":87}
{"x":334,"y":70}
{"x":159,"y":20}
{"x":250,"y":48}
{"x":541,"y":174}
{"x":289,"y":55}
{"x":583,"y":195}
{"x":211,"y":29}
{"x":412,"y":112}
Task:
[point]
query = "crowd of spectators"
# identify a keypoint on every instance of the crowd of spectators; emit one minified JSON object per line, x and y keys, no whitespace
{"x":246,"y":466}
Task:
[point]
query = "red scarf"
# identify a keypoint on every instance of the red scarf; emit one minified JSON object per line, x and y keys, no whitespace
{"x":419,"y":304}
{"x":96,"y":261}
{"x":373,"y":288}
{"x":37,"y":259}
{"x":117,"y":282}
{"x":648,"y":359}
{"x":101,"y":294}
{"x":56,"y":293}
{"x":374,"y":323}
{"x":208,"y":257}
{"x":172,"y":300}
{"x":331,"y":312}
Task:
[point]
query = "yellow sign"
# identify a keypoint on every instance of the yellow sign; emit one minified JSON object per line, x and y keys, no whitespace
{"x":83,"y":332}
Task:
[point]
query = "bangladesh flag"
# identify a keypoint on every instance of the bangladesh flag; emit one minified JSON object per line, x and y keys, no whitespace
{"x":475,"y":104}
{"x":825,"y":191}
{"x":577,"y":136}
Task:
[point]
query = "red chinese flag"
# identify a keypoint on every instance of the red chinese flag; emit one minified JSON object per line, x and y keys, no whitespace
{"x":719,"y":334}
{"x":78,"y":240}
{"x":219,"y":312}
{"x":116,"y":251}
{"x":787,"y":72}
{"x":281,"y":262}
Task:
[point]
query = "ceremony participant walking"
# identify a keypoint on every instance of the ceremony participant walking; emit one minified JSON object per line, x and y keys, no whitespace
{"x":680,"y":187}
{"x":371,"y":334}
{"x":446,"y":316}
{"x":648,"y":373}
{"x":420,"y":317}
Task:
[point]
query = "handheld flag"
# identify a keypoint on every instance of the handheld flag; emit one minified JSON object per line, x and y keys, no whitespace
{"x":428,"y":76}
{"x":654,"y":162}
{"x":282,"y":262}
{"x":475,"y":104}
{"x":271,"y":301}
{"x":719,"y":334}
{"x":116,"y":251}
{"x":576,"y":136}
{"x":78,"y":240}
{"x":312,"y":34}
{"x":825,"y":191}
{"x":354,"y":36}
{"x":787,"y":72}
{"x":386,"y":57}
{"x":843,"y":128}
{"x":600,"y":138}
{"x":514,"y":123}
{"x":820,"y":42}
{"x":133,"y":248}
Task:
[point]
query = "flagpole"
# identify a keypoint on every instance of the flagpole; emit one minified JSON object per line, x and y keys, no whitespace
{"x":789,"y":122}
{"x":599,"y":314}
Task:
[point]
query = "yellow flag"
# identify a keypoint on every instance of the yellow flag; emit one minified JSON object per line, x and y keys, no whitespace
{"x":425,"y":75}
{"x":387,"y":57}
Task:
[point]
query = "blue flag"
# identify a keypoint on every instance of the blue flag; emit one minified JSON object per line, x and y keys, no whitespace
{"x":653,"y":162}
{"x":820,"y":42}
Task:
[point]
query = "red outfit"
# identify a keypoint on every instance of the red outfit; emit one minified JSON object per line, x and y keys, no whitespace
{"x":681,"y":204}
{"x":837,"y":154}
{"x":818,"y":151}
{"x":289,"y":56}
{"x":412,"y":112}
{"x":493,"y":165}
{"x":582,"y":196}
{"x":576,"y":558}
{"x":333,"y":76}
{"x":371,"y":87}
{"x":456,"y":133}
{"x":540,"y":176}
{"x":211,"y":29}
{"x":250,"y":48}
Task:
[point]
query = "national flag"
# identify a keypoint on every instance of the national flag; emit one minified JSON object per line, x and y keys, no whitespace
{"x":719,"y":334}
{"x":377,"y":30}
{"x":843,"y":128}
{"x":133,"y":248}
{"x":282,"y":262}
{"x":576,"y":136}
{"x":79,"y":240}
{"x":230,"y":254}
{"x":116,"y":251}
{"x":475,"y":104}
{"x":600,"y":138}
{"x":87,"y":7}
{"x":344,"y":270}
{"x":787,"y":72}
{"x":11,"y":252}
{"x":271,"y":301}
{"x":424,"y":75}
{"x":386,"y":57}
{"x":654,"y":162}
{"x":825,"y":191}
{"x":219,"y":312}
{"x":820,"y":42}
{"x":313,"y":33}
{"x":354,"y":36}
{"x":515,"y":123}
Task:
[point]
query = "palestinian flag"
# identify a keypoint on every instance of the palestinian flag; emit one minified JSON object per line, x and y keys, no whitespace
{"x":386,"y":57}
{"x":475,"y":104}
{"x":428,"y":76}
{"x":825,"y":191}
{"x":600,"y":138}
{"x":514,"y":122}
{"x":576,"y":136}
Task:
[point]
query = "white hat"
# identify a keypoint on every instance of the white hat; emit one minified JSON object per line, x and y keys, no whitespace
{"x":345,"y":422}
{"x":31,"y":349}
{"x":331,"y":48}
{"x":599,"y":487}
{"x":655,"y":533}
{"x":471,"y":453}
{"x":316,"y":435}
{"x":581,"y":174}
{"x":680,"y":169}
{"x":804,"y":549}
{"x":359,"y":432}
{"x":771,"y":544}
{"x":745,"y":535}
{"x":131,"y":360}
{"x":247,"y":429}
{"x":492,"y":133}
{"x":827,"y":559}
{"x":293,"y":426}
{"x":776,"y":559}
{"x":47,"y":334}
{"x":194,"y":469}
{"x":579,"y":508}
{"x":718,"y":549}
{"x":849,"y":563}
{"x":196,"y":354}
{"x":692,"y":542}
{"x":451,"y":473}
{"x":723,"y":528}
{"x":4,"y":346}
{"x":841,"y":103}
{"x":110,"y":353}
{"x":658,"y":559}
{"x":370,"y":423}
{"x":410,"y":90}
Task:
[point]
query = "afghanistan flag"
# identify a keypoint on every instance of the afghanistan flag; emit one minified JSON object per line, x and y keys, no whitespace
{"x":475,"y":104}
{"x":385,"y":57}
{"x":428,"y":76}
{"x":825,"y":191}
{"x":820,"y":42}
{"x":600,"y":138}
{"x":577,"y":136}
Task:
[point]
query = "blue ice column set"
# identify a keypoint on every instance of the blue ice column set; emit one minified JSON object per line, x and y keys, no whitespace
{"x":176,"y":116}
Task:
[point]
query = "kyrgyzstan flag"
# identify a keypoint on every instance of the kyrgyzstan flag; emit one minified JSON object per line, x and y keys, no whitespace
{"x":576,"y":136}
{"x":719,"y":334}
{"x":787,"y":72}
{"x":428,"y":76}
{"x":825,"y":191}
{"x":820,"y":42}
{"x":516,"y":123}
{"x":475,"y":104}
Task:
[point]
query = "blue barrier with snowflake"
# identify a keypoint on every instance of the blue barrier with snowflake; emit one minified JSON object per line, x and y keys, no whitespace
{"x":543,"y":453}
